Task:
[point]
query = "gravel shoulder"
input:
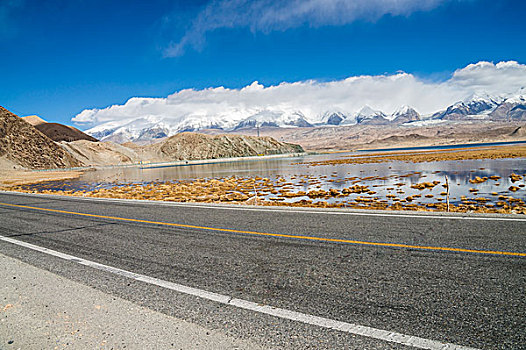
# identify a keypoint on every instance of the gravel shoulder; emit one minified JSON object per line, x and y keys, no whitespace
{"x":40,"y":310}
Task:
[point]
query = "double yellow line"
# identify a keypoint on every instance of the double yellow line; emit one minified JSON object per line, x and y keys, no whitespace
{"x":280,"y":235}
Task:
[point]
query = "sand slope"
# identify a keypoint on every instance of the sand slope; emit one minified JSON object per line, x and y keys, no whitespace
{"x":22,"y":144}
{"x":57,"y":132}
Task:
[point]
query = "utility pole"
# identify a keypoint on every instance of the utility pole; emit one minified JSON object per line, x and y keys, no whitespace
{"x":447,"y":195}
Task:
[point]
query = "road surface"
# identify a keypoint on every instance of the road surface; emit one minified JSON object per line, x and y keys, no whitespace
{"x":288,"y":278}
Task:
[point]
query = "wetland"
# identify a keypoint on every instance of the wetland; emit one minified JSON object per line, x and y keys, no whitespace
{"x":480,"y":179}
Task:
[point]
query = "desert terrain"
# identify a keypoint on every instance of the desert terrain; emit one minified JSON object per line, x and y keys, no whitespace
{"x":354,"y":137}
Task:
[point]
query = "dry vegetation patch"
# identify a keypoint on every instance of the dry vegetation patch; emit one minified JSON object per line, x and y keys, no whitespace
{"x":264,"y":191}
{"x":499,"y":152}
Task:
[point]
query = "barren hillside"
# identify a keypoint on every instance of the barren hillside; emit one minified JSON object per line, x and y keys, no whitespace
{"x":57,"y":132}
{"x":34,"y":120}
{"x":184,"y":146}
{"x":101,"y":153}
{"x":375,"y":136}
{"x":199,"y":146}
{"x":22,"y":144}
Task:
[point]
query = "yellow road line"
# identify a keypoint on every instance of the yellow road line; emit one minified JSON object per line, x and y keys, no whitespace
{"x":322,"y":239}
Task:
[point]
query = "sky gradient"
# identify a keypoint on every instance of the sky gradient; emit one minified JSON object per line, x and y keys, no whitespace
{"x":58,"y":58}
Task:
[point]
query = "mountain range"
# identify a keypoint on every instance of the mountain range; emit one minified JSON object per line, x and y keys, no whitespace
{"x":147,"y":129}
{"x":32,"y":143}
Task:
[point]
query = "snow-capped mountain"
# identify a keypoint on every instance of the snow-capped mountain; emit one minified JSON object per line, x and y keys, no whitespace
{"x":404,"y":114}
{"x":483,"y":106}
{"x":157,"y":126}
{"x":333,"y":118}
{"x":478,"y":105}
{"x":511,"y":109}
{"x":370,"y":116}
{"x":274,"y":119}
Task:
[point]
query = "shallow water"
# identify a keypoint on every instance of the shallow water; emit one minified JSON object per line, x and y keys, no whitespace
{"x":390,"y":180}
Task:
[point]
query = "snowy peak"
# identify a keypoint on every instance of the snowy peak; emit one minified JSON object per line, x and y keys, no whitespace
{"x":482,"y":103}
{"x":476,"y":105}
{"x":367,"y":115}
{"x":368,"y":112}
{"x":483,"y":106}
{"x":151,"y":127}
{"x":333,"y":118}
{"x":512,"y":109}
{"x":519,"y":98}
{"x":405,"y":109}
{"x":268,"y":118}
{"x":483,"y":97}
{"x":404,"y":114}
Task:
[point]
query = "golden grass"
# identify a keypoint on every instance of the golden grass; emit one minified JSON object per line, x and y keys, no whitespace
{"x":429,"y":156}
{"x":263,"y":191}
{"x":321,"y":191}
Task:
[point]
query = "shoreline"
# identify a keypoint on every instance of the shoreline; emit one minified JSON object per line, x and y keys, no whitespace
{"x":148,"y":165}
{"x":19,"y":177}
{"x":428,"y":155}
{"x":256,"y":190}
{"x":360,"y":194}
{"x":515,"y":207}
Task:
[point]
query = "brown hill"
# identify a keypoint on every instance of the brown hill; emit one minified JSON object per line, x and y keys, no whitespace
{"x":23,"y":144}
{"x":34,"y":120}
{"x":185,"y":146}
{"x":101,"y":153}
{"x":519,"y":132}
{"x":200,"y":146}
{"x":59,"y":132}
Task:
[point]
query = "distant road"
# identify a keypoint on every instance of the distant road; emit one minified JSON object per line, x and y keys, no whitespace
{"x":289,"y":278}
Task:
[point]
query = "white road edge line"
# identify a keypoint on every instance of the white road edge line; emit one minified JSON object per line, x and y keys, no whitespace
{"x":442,"y":216}
{"x":351,"y":328}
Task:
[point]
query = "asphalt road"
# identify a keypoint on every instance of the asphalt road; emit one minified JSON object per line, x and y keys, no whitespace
{"x":458,"y":297}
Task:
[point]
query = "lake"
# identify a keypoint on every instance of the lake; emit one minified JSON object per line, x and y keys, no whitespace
{"x":391,"y":181}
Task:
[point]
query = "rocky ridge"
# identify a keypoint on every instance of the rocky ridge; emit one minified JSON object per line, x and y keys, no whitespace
{"x":183,"y":146}
{"x":57,"y":132}
{"x":190,"y":146}
{"x":21,"y":143}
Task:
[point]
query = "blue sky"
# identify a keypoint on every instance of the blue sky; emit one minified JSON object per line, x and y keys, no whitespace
{"x":60,"y":57}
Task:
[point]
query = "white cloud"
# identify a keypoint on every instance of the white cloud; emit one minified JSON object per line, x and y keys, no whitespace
{"x":384,"y":92}
{"x":489,"y":77}
{"x":271,"y":15}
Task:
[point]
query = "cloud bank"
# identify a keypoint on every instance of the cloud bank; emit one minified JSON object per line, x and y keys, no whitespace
{"x":313,"y":99}
{"x":271,"y":15}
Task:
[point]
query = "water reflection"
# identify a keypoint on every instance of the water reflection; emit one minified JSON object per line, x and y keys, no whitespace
{"x":389,"y":180}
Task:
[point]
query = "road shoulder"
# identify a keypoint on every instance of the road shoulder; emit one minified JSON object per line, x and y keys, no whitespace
{"x":40,"y":310}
